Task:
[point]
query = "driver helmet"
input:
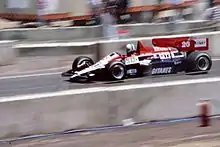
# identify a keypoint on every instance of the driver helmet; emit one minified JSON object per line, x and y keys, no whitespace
{"x":130,"y":49}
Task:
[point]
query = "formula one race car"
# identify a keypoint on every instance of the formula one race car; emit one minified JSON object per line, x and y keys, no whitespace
{"x":166,"y":56}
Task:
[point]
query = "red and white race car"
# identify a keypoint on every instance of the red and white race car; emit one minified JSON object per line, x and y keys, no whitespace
{"x":166,"y":56}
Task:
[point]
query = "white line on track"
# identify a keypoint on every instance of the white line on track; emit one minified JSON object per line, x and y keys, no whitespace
{"x":108,"y":89}
{"x":28,"y":74}
{"x":215,"y":59}
{"x":35,"y":71}
{"x":31,"y":75}
{"x":201,"y":137}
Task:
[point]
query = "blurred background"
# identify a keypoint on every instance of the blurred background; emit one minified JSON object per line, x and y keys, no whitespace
{"x":118,"y":18}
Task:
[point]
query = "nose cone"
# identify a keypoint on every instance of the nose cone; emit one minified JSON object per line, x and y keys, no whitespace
{"x":73,"y":76}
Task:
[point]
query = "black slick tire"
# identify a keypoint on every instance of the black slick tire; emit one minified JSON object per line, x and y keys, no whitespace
{"x":116,"y":70}
{"x":79,"y":60}
{"x":198,"y":62}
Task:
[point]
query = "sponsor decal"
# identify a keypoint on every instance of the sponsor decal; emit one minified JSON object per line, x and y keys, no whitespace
{"x":200,"y":43}
{"x":131,"y":60}
{"x":158,"y":49}
{"x":166,"y":53}
{"x":132,"y":71}
{"x":161,"y":70}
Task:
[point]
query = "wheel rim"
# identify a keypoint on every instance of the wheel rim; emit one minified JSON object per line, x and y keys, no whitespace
{"x":84,"y":64}
{"x":203,"y":63}
{"x":118,"y":72}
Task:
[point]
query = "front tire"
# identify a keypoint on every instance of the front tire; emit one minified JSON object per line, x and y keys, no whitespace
{"x":81,"y":63}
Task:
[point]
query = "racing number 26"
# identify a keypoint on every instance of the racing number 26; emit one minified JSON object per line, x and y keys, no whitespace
{"x":185,"y":44}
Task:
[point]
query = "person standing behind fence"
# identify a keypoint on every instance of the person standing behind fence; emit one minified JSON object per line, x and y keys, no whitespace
{"x":95,"y":6}
{"x":178,"y":12}
{"x":41,"y":10}
{"x":213,"y":13}
{"x":108,"y":24}
{"x":211,"y":3}
{"x":176,"y":15}
{"x":121,"y":8}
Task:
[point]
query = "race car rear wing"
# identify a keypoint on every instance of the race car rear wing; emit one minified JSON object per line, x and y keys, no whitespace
{"x":184,"y":44}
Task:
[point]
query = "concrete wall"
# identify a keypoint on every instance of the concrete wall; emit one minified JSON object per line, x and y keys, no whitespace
{"x":98,"y":49}
{"x":161,"y":28}
{"x":51,"y":34}
{"x":142,"y":2}
{"x":2,"y":6}
{"x":95,"y":32}
{"x":8,"y":54}
{"x":76,"y":7}
{"x":34,"y":116}
{"x":214,"y":46}
{"x":30,"y":10}
{"x":102,"y":108}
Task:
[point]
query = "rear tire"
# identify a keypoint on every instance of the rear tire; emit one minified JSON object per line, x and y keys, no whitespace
{"x":83,"y":61}
{"x":116,"y":70}
{"x":198,"y":62}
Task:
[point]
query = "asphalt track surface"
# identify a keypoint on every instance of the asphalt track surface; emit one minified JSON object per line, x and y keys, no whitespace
{"x":54,"y":82}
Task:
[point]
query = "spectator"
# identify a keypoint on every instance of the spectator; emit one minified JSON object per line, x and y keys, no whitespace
{"x":178,"y":14}
{"x":41,"y":10}
{"x":213,"y":13}
{"x":211,"y":3}
{"x":121,"y":7}
{"x":111,"y":6}
{"x":109,"y":30}
{"x":94,"y":5}
{"x":216,"y":11}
